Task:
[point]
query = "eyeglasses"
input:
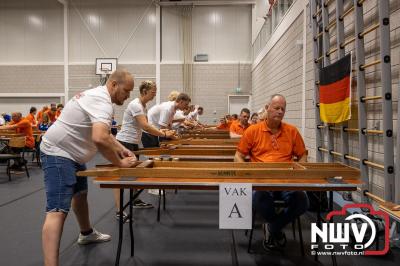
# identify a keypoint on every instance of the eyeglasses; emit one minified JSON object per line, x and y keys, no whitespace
{"x":274,"y":142}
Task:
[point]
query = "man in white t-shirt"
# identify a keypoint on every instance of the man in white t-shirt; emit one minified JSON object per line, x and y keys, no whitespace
{"x":82,"y":129}
{"x":133,"y":122}
{"x":179,"y":118}
{"x":161,"y":116}
{"x":193,"y":117}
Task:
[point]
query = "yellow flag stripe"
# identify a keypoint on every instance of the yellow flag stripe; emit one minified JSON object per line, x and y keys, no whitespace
{"x":335,"y":112}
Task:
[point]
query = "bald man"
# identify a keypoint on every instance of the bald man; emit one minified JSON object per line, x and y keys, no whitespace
{"x":275,"y":141}
{"x":82,"y":129}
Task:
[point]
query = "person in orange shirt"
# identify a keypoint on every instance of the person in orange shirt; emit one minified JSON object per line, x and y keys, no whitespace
{"x":254,"y":119}
{"x":239,"y":127}
{"x":233,"y":117}
{"x":60,"y":106}
{"x":23,"y":126}
{"x":223,"y":124}
{"x":229,"y":120}
{"x":262,"y":113}
{"x":31,"y":116}
{"x":274,"y":141}
{"x":52,"y":113}
{"x":39,"y":115}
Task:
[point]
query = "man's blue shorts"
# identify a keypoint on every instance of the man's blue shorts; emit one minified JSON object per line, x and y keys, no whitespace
{"x":61,"y":182}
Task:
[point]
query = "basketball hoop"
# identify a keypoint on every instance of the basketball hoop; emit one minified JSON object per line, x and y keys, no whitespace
{"x":104,"y":76}
{"x":104,"y":68}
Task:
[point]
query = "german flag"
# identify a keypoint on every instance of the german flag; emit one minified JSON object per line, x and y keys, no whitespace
{"x":335,"y":91}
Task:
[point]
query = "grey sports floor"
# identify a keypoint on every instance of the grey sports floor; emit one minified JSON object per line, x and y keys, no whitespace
{"x":188,"y":233}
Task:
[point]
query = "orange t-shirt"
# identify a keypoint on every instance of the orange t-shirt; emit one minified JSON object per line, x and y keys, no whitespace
{"x":39,"y":115}
{"x":237,"y":128}
{"x":223,"y":126}
{"x":58,"y":113}
{"x":51,"y":115}
{"x":24,"y":127}
{"x":263,"y":146}
{"x":32,"y":119}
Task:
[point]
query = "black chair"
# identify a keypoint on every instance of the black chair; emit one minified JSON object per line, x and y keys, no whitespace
{"x":279,"y":204}
{"x":8,"y":157}
{"x":35,"y":151}
{"x":16,"y":147}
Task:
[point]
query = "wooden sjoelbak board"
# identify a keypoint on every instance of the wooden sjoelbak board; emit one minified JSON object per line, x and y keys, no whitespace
{"x":190,"y":147}
{"x":207,"y":131}
{"x":190,"y":141}
{"x":196,"y":146}
{"x":212,"y":170}
{"x":226,"y":151}
{"x":205,"y":136}
{"x":192,"y":158}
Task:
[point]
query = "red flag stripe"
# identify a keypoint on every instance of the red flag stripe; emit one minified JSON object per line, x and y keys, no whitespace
{"x":335,"y":92}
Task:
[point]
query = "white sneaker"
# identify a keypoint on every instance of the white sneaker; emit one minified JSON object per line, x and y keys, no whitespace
{"x":155,"y":192}
{"x":94,"y":237}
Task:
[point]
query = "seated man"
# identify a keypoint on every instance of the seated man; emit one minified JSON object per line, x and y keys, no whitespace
{"x":239,"y":127}
{"x":23,"y":126}
{"x":233,"y":117}
{"x":223,"y":124}
{"x":275,"y":141}
{"x":254,"y":119}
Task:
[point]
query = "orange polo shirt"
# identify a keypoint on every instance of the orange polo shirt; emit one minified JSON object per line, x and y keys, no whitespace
{"x":263,"y":146}
{"x":225,"y":126}
{"x":237,"y":128}
{"x":39,"y":115}
{"x":24,"y":127}
{"x":32,"y":119}
{"x":51,"y":115}
{"x":58,"y":113}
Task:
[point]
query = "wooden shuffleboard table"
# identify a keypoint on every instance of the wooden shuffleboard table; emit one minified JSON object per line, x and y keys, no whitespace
{"x":209,"y":175}
{"x":205,"y":130}
{"x":190,"y":141}
{"x":205,"y":134}
{"x":183,"y":153}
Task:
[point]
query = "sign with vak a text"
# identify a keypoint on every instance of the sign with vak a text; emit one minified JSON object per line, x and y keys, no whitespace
{"x":235,"y":206}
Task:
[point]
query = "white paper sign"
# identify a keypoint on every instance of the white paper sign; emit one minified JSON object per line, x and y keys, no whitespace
{"x":235,"y":206}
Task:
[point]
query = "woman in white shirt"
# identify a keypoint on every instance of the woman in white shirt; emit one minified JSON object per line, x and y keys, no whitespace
{"x":133,"y":123}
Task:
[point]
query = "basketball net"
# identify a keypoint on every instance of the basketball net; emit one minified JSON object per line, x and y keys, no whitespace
{"x":104,"y":77}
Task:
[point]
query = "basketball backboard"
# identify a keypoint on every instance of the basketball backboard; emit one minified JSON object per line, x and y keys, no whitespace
{"x":105,"y":66}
